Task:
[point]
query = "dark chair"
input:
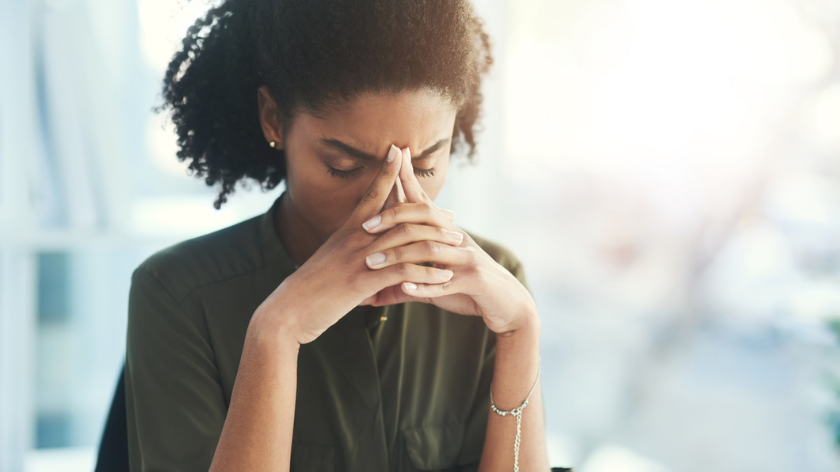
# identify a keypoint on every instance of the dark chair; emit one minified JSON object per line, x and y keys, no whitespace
{"x":113,"y":449}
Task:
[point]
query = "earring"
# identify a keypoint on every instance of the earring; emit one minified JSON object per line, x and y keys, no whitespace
{"x":271,"y":143}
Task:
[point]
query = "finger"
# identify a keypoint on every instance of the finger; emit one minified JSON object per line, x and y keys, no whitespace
{"x":397,"y":194}
{"x":424,"y":213}
{"x":374,"y":198}
{"x":407,"y":233}
{"x":393,"y":295}
{"x":371,"y":300}
{"x":416,"y":253}
{"x":399,"y":273}
{"x":413,"y":190}
{"x":426,"y":291}
{"x":400,"y":190}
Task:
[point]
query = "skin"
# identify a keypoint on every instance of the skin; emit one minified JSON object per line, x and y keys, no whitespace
{"x":317,"y":201}
{"x":358,"y":238}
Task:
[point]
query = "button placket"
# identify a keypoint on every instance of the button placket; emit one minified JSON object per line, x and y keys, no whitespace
{"x":362,"y":369}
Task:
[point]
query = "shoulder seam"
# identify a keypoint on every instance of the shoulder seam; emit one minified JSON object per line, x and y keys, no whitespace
{"x":197,"y":287}
{"x":218,"y":281}
{"x":261,"y":265}
{"x":157,"y":280}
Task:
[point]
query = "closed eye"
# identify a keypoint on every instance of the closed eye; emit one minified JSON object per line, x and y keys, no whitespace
{"x":342,"y":174}
{"x":346,"y":174}
{"x":424,"y":172}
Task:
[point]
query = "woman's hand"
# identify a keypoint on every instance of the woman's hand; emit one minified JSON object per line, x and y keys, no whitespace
{"x":478,"y":285}
{"x":335,"y":278}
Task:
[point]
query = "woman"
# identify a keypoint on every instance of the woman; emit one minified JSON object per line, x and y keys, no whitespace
{"x":353,"y":326}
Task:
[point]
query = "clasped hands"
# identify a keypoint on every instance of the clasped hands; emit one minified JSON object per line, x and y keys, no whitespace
{"x":375,"y":259}
{"x":413,"y":231}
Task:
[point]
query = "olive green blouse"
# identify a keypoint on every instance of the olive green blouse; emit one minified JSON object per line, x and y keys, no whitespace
{"x":398,"y":388}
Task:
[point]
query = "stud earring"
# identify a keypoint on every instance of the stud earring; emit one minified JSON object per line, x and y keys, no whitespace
{"x":271,"y":143}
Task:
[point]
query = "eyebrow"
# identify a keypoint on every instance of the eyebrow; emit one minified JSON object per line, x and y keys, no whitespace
{"x":338,"y":145}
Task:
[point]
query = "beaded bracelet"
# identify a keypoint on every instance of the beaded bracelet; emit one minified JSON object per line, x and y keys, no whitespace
{"x":517,"y":412}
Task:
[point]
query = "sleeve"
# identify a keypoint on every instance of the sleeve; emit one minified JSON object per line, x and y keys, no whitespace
{"x":476,"y":427}
{"x":174,"y":399}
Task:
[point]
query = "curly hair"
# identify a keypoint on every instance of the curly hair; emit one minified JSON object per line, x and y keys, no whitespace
{"x":311,"y":55}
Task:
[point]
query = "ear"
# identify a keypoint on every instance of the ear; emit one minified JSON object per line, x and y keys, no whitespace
{"x":269,"y":117}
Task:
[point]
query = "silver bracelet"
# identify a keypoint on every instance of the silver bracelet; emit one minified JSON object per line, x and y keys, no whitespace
{"x":517,"y":412}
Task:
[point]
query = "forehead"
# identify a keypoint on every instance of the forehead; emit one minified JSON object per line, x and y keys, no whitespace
{"x":374,"y":121}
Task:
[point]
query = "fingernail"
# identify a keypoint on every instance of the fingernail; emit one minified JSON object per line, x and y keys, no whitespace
{"x":456,"y":235}
{"x":375,"y":259}
{"x":449,"y":213}
{"x":392,"y":153}
{"x":445,"y":273}
{"x":410,"y":286}
{"x":372,"y":223}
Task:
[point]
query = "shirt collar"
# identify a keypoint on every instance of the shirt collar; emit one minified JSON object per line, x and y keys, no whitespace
{"x":274,"y":253}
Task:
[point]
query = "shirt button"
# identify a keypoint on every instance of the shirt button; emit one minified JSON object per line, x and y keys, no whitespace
{"x":383,"y":318}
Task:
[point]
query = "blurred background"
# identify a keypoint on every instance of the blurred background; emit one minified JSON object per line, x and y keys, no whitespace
{"x":668,"y":171}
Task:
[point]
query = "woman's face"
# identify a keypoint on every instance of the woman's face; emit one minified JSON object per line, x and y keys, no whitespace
{"x":332,"y":160}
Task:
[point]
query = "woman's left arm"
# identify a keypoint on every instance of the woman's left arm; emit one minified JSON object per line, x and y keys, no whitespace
{"x":514,"y":374}
{"x":481,"y":287}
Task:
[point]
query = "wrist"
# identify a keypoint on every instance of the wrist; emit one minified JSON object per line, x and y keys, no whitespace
{"x":527,"y":325}
{"x":272,"y":332}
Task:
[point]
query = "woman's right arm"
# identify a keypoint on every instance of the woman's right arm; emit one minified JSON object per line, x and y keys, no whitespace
{"x":257,"y":432}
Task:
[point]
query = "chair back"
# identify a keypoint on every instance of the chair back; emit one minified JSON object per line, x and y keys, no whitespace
{"x":113,"y":448}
